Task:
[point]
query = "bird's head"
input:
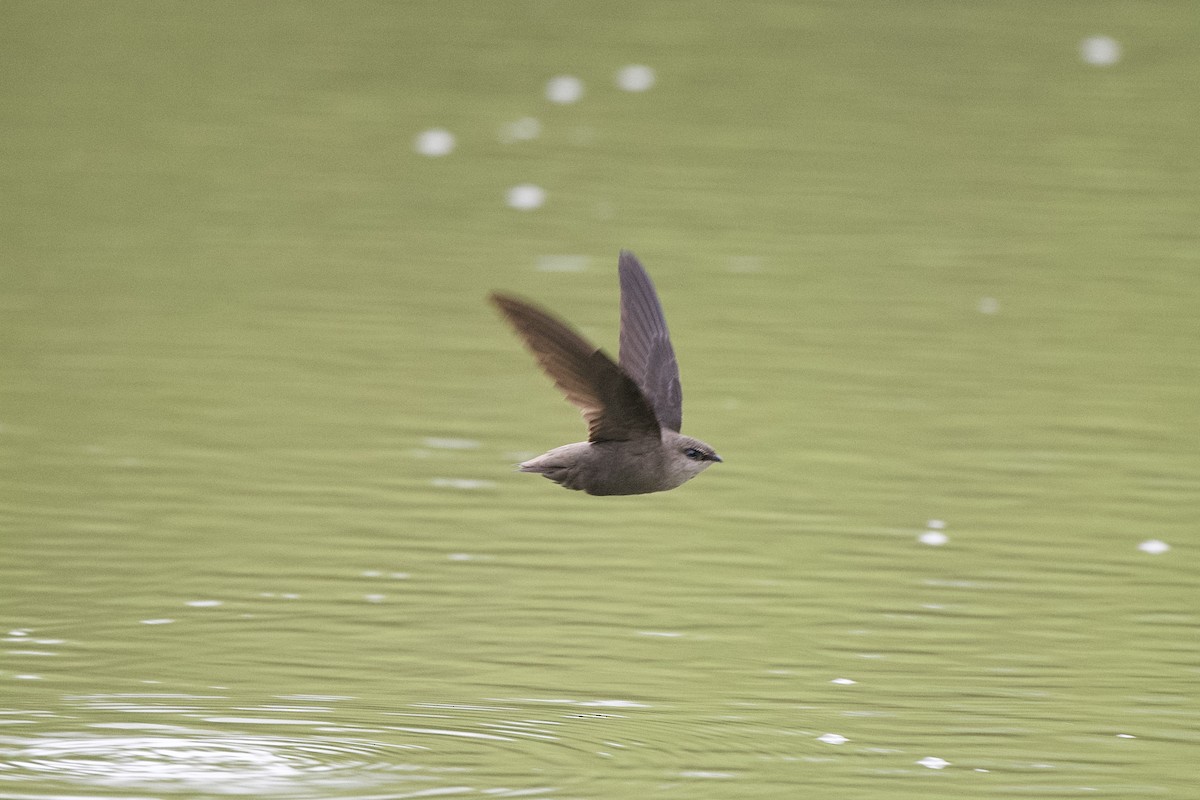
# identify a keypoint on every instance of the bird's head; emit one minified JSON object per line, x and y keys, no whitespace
{"x":688,"y":457}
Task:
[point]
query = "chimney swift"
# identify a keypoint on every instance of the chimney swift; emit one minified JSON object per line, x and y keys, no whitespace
{"x":633,"y":409}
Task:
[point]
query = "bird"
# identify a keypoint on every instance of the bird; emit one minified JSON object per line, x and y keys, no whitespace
{"x":633,"y":407}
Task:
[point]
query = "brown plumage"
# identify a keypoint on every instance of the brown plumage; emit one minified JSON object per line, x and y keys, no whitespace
{"x":633,"y":410}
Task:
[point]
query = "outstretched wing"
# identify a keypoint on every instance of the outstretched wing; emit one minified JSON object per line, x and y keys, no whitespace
{"x":646,"y":352}
{"x":611,"y":402}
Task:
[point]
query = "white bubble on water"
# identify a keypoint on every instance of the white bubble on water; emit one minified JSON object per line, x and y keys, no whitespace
{"x":562,"y":263}
{"x":933,"y":538}
{"x":526,"y":197}
{"x":635,"y":78}
{"x":564,"y":89}
{"x":466,"y":484}
{"x":450,"y":443}
{"x":832,"y":738}
{"x":933,"y":762}
{"x":521,"y":130}
{"x":1154,"y":547}
{"x":434,"y":142}
{"x":1100,"y":51}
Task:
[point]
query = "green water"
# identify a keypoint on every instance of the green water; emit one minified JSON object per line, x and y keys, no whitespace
{"x":260,"y":530}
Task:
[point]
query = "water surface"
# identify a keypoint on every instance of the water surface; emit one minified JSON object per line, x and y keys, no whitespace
{"x":932,"y":278}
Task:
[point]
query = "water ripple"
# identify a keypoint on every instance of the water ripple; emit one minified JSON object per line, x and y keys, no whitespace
{"x":176,"y":759}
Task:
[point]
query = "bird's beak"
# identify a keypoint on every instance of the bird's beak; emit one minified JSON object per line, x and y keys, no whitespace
{"x":715,"y":457}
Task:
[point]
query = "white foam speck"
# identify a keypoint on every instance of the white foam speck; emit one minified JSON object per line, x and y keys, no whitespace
{"x":844,"y":681}
{"x":664,"y":634}
{"x":526,"y":197}
{"x":1126,"y":736}
{"x":466,"y":484}
{"x":933,"y":538}
{"x":564,"y":89}
{"x":561,"y":263}
{"x":933,"y":762}
{"x":521,"y":130}
{"x":936,"y":524}
{"x":1100,"y":51}
{"x":446,"y":443}
{"x":374,"y":598}
{"x":434,"y":142}
{"x":832,"y":738}
{"x":635,"y":78}
{"x":204,"y":603}
{"x":1154,"y":547}
{"x":157,"y":621}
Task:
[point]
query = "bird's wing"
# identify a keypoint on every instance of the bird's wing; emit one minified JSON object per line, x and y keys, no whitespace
{"x":646,"y":352}
{"x":611,"y":402}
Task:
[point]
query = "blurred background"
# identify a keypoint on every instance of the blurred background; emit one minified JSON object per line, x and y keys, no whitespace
{"x":931,"y":269}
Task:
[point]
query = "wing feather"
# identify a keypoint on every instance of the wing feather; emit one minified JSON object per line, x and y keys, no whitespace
{"x":611,"y":402}
{"x":646,"y":353}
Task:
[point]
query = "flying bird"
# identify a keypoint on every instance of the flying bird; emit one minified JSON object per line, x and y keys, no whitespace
{"x":633,"y":408}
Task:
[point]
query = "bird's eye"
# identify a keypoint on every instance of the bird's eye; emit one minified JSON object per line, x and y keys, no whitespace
{"x":694,"y":454}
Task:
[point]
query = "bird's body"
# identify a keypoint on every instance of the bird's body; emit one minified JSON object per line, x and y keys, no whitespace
{"x":634,"y":410}
{"x":636,"y":466}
